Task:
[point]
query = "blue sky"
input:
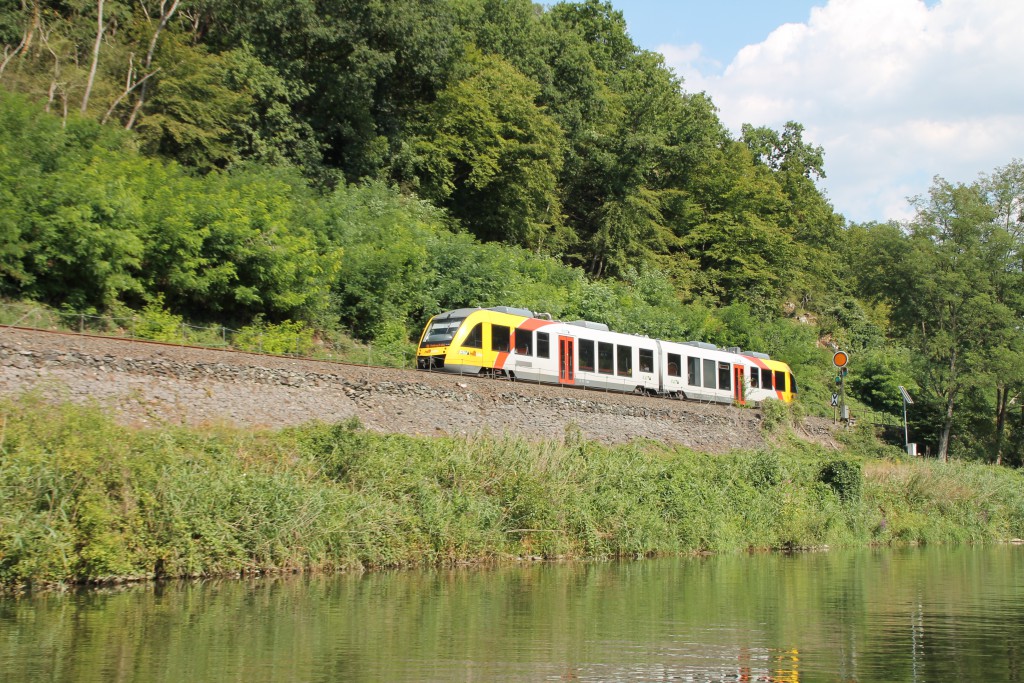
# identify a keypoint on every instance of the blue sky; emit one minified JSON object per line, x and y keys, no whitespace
{"x":896,"y":91}
{"x":722,"y":28}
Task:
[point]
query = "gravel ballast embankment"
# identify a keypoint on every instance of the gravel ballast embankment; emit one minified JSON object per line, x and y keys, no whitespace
{"x":149,"y":384}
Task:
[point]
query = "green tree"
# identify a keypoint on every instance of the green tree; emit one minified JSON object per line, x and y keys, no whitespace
{"x":491,"y":155}
{"x":383,"y":278}
{"x":1005,"y":189}
{"x":192,"y":114}
{"x":947,"y":306}
{"x":358,"y":72}
{"x":785,"y":151}
{"x":268,"y":130}
{"x":71,"y":230}
{"x":808,"y":217}
{"x":236,"y":245}
{"x":735,"y":235}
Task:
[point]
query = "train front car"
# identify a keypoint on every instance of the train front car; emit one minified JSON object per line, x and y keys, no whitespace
{"x":471,"y":341}
{"x":438,"y":337}
{"x":770,"y":379}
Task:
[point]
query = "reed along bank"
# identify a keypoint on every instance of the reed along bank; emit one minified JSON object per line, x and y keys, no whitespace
{"x":84,"y":499}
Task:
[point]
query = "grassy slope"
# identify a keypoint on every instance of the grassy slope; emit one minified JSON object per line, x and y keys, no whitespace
{"x":83,"y":499}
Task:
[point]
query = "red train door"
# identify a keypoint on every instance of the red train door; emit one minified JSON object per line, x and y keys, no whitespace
{"x":566,"y":362}
{"x":738,"y":375}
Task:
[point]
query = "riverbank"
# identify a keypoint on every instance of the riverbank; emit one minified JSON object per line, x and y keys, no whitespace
{"x":86,"y":499}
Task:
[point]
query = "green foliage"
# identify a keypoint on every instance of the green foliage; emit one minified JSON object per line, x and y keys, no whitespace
{"x":774,"y":414}
{"x":286,"y":337}
{"x":764,"y":469}
{"x":492,"y":156}
{"x":878,"y":375}
{"x":545,"y":128}
{"x":83,"y":499}
{"x":95,"y":225}
{"x":156,"y":323}
{"x":270,"y":132}
{"x":192,"y":112}
{"x":71,"y":231}
{"x":385,"y":270}
{"x":785,"y":151}
{"x":848,"y":324}
{"x":845,"y":477}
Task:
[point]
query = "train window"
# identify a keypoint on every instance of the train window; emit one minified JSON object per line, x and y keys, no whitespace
{"x":709,"y":374}
{"x":501,"y":338}
{"x":524,"y":342}
{"x":792,"y":383}
{"x":674,"y":363}
{"x":725,"y":375}
{"x":693,"y":371}
{"x":441,"y":332}
{"x":625,"y":361}
{"x":780,"y":380}
{"x":586,"y":347}
{"x":543,"y":345}
{"x":755,"y":378}
{"x":646,"y":360}
{"x":766,"y":378}
{"x":605,"y":357}
{"x":475,"y":338}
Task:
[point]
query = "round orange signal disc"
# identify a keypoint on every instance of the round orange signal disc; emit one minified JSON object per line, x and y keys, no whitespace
{"x":840,"y":359}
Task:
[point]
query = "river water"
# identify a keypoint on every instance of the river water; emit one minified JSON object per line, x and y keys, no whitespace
{"x":931,"y":614}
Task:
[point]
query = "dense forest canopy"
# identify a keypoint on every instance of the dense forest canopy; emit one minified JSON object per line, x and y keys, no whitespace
{"x":542,"y":128}
{"x":366,"y":163}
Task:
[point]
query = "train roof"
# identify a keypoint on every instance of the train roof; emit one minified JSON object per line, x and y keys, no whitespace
{"x":457,"y":313}
{"x":591,"y":325}
{"x":525,"y":312}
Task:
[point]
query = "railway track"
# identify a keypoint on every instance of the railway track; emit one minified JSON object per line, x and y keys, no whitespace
{"x":147,"y":383}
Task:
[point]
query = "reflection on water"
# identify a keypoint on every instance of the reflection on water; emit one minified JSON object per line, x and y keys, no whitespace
{"x":905,"y":615}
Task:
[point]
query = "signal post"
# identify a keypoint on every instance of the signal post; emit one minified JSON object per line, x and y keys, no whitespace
{"x":840,"y":359}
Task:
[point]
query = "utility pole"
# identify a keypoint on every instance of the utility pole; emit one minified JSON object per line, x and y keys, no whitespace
{"x":907,"y":401}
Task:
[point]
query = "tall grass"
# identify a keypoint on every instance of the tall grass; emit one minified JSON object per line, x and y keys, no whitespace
{"x":84,"y":499}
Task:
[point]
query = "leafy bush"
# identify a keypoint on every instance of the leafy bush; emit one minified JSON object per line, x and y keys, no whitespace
{"x":774,"y":414}
{"x":845,"y":477}
{"x":763,"y":469}
{"x":281,"y":338}
{"x":156,"y":323}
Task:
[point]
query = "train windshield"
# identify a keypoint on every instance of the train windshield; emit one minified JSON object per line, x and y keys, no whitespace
{"x":441,"y":332}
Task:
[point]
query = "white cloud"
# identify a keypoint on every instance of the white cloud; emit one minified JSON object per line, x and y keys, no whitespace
{"x":896,"y":92}
{"x":688,"y":59}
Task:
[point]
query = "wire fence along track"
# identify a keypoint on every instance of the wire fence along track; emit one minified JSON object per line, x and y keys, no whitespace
{"x":125,"y":334}
{"x":882,"y":419}
{"x":219,"y":338}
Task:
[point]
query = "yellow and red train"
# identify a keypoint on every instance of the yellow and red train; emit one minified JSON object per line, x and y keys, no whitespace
{"x":517,"y":344}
